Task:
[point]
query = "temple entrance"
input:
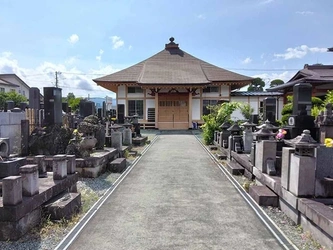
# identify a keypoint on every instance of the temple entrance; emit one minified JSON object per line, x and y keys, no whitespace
{"x":173,"y":111}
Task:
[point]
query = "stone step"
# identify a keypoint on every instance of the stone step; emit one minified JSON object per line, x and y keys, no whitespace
{"x":64,"y":205}
{"x":212,"y":147}
{"x":221,"y":156}
{"x":234,"y":168}
{"x":118,"y":165}
{"x":264,"y":196}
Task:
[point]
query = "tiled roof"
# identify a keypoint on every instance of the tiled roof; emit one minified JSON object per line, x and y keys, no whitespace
{"x":254,"y":93}
{"x":316,"y":74}
{"x":173,"y":66}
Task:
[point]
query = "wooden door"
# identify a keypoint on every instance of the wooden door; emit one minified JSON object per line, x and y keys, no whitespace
{"x":173,"y":112}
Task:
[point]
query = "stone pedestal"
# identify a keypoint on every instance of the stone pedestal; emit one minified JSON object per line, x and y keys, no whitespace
{"x":302,"y":175}
{"x":265,"y":151}
{"x":285,"y":166}
{"x":59,"y":167}
{"x":71,"y":164}
{"x":39,"y":160}
{"x":12,"y":190}
{"x":127,"y":136}
{"x":230,"y":146}
{"x":247,"y":140}
{"x":116,"y":140}
{"x":324,"y":162}
{"x":30,"y":184}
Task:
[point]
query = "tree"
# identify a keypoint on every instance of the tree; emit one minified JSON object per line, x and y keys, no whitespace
{"x":256,"y":85}
{"x":246,"y":110}
{"x":276,"y":82}
{"x":11,"y":96}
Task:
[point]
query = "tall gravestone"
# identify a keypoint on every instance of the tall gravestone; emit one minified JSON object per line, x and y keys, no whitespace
{"x":301,"y":118}
{"x":86,"y":108}
{"x":270,"y":109}
{"x":52,"y":106}
{"x":34,"y":98}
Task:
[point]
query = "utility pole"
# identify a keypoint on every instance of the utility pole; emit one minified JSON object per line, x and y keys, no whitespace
{"x":56,"y":78}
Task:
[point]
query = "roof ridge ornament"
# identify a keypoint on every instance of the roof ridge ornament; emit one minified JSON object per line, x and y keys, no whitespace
{"x":171,"y":44}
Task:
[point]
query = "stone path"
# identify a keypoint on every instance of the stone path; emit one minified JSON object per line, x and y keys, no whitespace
{"x":175,"y":198}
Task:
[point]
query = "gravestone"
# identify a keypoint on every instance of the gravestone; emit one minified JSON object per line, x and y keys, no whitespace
{"x":23,"y":106}
{"x":270,"y":109}
{"x":9,"y":105}
{"x":301,"y":118}
{"x":65,"y":107}
{"x":86,"y":108}
{"x":324,"y":160}
{"x":326,"y":124}
{"x":52,"y":106}
{"x":34,"y":98}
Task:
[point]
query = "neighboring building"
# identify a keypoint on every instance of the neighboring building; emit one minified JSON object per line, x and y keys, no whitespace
{"x":110,"y":103}
{"x":256,"y":100}
{"x":171,"y":89}
{"x":318,"y":75}
{"x":14,"y":84}
{"x":6,"y":86}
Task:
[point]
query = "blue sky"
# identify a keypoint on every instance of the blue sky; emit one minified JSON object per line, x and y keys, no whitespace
{"x":87,"y":39}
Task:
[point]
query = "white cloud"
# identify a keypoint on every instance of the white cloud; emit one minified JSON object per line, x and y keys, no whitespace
{"x":247,"y":60}
{"x":117,"y":42}
{"x":266,"y":1}
{"x":305,"y":13}
{"x":6,"y":54}
{"x":201,"y":16}
{"x":71,"y":79}
{"x":262,"y":56}
{"x":73,"y":39}
{"x":71,"y":60}
{"x":130,"y":47}
{"x":99,"y":57}
{"x":299,"y":52}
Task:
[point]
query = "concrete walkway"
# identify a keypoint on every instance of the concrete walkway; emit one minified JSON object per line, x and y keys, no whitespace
{"x":175,"y":198}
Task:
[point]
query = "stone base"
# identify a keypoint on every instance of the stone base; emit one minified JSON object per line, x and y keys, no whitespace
{"x":139,"y":141}
{"x":11,"y":166}
{"x":248,"y":175}
{"x":221,"y":156}
{"x":118,"y":165}
{"x":64,"y":205}
{"x":212,"y":147}
{"x":288,"y":210}
{"x":264,"y":196}
{"x":96,"y":164}
{"x":324,"y":187}
{"x":13,"y":230}
{"x":234,"y":168}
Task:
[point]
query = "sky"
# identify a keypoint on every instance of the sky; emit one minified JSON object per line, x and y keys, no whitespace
{"x":85,"y":39}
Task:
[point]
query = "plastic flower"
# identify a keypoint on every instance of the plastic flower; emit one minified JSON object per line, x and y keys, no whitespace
{"x":280,"y":135}
{"x":329,"y":142}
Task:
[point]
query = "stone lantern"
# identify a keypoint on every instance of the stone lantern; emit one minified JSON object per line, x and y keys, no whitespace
{"x":265,"y":149}
{"x":235,"y":139}
{"x":302,"y":174}
{"x":224,"y":134}
{"x":127,"y":133}
{"x":248,"y":135}
{"x":136,"y":124}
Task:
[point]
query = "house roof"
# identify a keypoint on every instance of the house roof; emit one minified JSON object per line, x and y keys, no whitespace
{"x":7,"y":83}
{"x":315,"y":74}
{"x":15,"y":76}
{"x":173,"y":66}
{"x":255,"y":93}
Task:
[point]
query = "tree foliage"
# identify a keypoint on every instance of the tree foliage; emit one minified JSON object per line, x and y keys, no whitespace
{"x":219,"y":114}
{"x":11,"y":96}
{"x":72,"y":101}
{"x":256,"y":85}
{"x":246,"y":110}
{"x":276,"y":82}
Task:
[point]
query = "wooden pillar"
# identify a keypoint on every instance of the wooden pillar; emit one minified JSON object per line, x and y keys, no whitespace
{"x":190,"y":110}
{"x":156,"y":110}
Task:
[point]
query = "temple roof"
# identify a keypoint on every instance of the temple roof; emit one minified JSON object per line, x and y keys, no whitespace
{"x":173,"y":66}
{"x":314,"y":74}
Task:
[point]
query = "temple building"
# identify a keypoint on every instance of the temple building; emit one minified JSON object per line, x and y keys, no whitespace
{"x":171,"y":89}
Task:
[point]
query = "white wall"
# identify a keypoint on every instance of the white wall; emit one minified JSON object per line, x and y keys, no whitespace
{"x":224,"y":91}
{"x":10,"y":127}
{"x":121,"y":91}
{"x":196,"y":107}
{"x":22,"y":90}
